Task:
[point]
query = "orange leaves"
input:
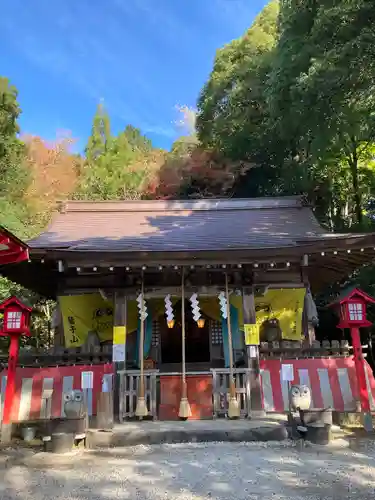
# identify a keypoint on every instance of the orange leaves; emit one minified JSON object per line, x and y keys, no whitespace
{"x":54,"y":171}
{"x":203,"y":173}
{"x":194,"y":173}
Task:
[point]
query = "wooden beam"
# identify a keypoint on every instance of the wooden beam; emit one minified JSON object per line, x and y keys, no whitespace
{"x":137,"y":259}
{"x":161,"y":292}
{"x":248,"y":304}
{"x":272,"y":277}
{"x":119,"y":338}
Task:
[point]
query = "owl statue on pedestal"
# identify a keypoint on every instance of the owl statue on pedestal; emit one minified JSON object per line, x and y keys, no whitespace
{"x":73,"y":404}
{"x":300,"y":397}
{"x":270,"y":330}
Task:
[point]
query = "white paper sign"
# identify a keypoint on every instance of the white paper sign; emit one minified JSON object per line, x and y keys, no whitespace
{"x":107,"y":383}
{"x":87,"y":380}
{"x":118,"y":353}
{"x":253,"y":351}
{"x":287,"y":373}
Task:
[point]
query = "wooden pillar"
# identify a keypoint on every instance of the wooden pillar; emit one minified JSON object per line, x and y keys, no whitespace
{"x":309,"y":307}
{"x":249,"y":318}
{"x":58,"y":328}
{"x":360,"y":369}
{"x":6,"y":426}
{"x":119,"y":348}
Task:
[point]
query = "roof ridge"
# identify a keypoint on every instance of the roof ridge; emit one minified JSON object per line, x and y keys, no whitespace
{"x":194,"y":205}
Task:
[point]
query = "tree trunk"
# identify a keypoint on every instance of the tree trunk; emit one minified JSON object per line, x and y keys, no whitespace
{"x":357,"y":196}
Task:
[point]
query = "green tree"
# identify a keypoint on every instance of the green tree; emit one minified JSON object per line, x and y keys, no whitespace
{"x":100,"y":139}
{"x":232,"y":107}
{"x":116,"y":167}
{"x":15,"y":213}
{"x":14,"y":178}
{"x":233,"y":115}
{"x":136,"y":140}
{"x":322,"y":104}
{"x":343,"y":39}
{"x":13,"y":174}
{"x":184,"y":146}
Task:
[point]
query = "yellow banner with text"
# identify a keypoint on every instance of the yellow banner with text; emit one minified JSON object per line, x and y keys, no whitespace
{"x":90,"y":313}
{"x":278,"y":309}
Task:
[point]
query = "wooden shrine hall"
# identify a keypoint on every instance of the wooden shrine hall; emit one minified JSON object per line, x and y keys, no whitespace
{"x":183,"y":293}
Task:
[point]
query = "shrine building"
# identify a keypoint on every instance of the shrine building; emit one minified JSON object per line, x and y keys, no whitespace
{"x":185,"y":290}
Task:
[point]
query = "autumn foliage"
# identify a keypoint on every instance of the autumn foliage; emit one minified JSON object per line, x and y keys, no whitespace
{"x":199,"y":174}
{"x":53,"y":169}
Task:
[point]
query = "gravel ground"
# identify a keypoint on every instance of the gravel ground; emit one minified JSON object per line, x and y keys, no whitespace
{"x":191,"y":472}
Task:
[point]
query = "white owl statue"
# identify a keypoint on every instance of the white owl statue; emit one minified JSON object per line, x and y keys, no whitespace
{"x":300,"y":397}
{"x":73,"y":404}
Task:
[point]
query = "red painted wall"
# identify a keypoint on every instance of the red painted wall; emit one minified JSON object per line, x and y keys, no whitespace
{"x":31,"y":381}
{"x":332,"y":380}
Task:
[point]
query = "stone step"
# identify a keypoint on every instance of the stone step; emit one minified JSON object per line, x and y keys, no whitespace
{"x":136,"y":433}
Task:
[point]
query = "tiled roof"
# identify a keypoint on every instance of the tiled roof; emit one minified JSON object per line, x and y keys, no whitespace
{"x":220,"y":224}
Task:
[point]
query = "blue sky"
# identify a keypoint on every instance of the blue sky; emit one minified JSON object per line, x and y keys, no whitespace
{"x":142,"y":57}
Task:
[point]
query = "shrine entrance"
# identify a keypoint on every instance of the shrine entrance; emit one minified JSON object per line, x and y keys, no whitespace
{"x":197,"y":339}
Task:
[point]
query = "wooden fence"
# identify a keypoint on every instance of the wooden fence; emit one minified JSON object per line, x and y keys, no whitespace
{"x":129,"y":390}
{"x":220,"y":384}
{"x":332,"y":381}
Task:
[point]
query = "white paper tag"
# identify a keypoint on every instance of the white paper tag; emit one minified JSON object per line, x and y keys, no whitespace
{"x":287,"y":373}
{"x":118,"y":353}
{"x":253,"y":351}
{"x":107,"y":383}
{"x":87,"y":380}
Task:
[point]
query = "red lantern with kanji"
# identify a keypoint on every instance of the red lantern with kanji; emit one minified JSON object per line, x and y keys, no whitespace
{"x":352,"y":312}
{"x":16,"y":322}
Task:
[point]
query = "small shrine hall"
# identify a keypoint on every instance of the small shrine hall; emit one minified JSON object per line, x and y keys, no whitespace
{"x":179,"y":289}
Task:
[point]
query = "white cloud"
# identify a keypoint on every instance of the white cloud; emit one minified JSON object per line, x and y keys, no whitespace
{"x":186,"y":119}
{"x":141,"y":56}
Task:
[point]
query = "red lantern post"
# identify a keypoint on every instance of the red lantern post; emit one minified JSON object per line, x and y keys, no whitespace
{"x":352,"y":311}
{"x":15,"y":323}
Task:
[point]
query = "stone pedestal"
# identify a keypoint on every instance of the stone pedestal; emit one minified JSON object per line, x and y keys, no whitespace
{"x":62,"y":442}
{"x":104,"y":412}
{"x":318,"y":425}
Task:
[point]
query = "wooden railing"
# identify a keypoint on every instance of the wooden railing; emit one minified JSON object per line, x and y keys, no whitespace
{"x":129,"y":390}
{"x":300,"y":349}
{"x":220,"y":387}
{"x":103,"y":354}
{"x":63,"y":357}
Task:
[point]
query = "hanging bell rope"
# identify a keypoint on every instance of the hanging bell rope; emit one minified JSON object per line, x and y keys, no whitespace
{"x":233,"y":406}
{"x":184,"y":410}
{"x":141,"y":409}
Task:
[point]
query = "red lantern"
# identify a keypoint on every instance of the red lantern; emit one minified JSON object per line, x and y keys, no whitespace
{"x":16,"y":317}
{"x":15,"y":323}
{"x":352,"y":310}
